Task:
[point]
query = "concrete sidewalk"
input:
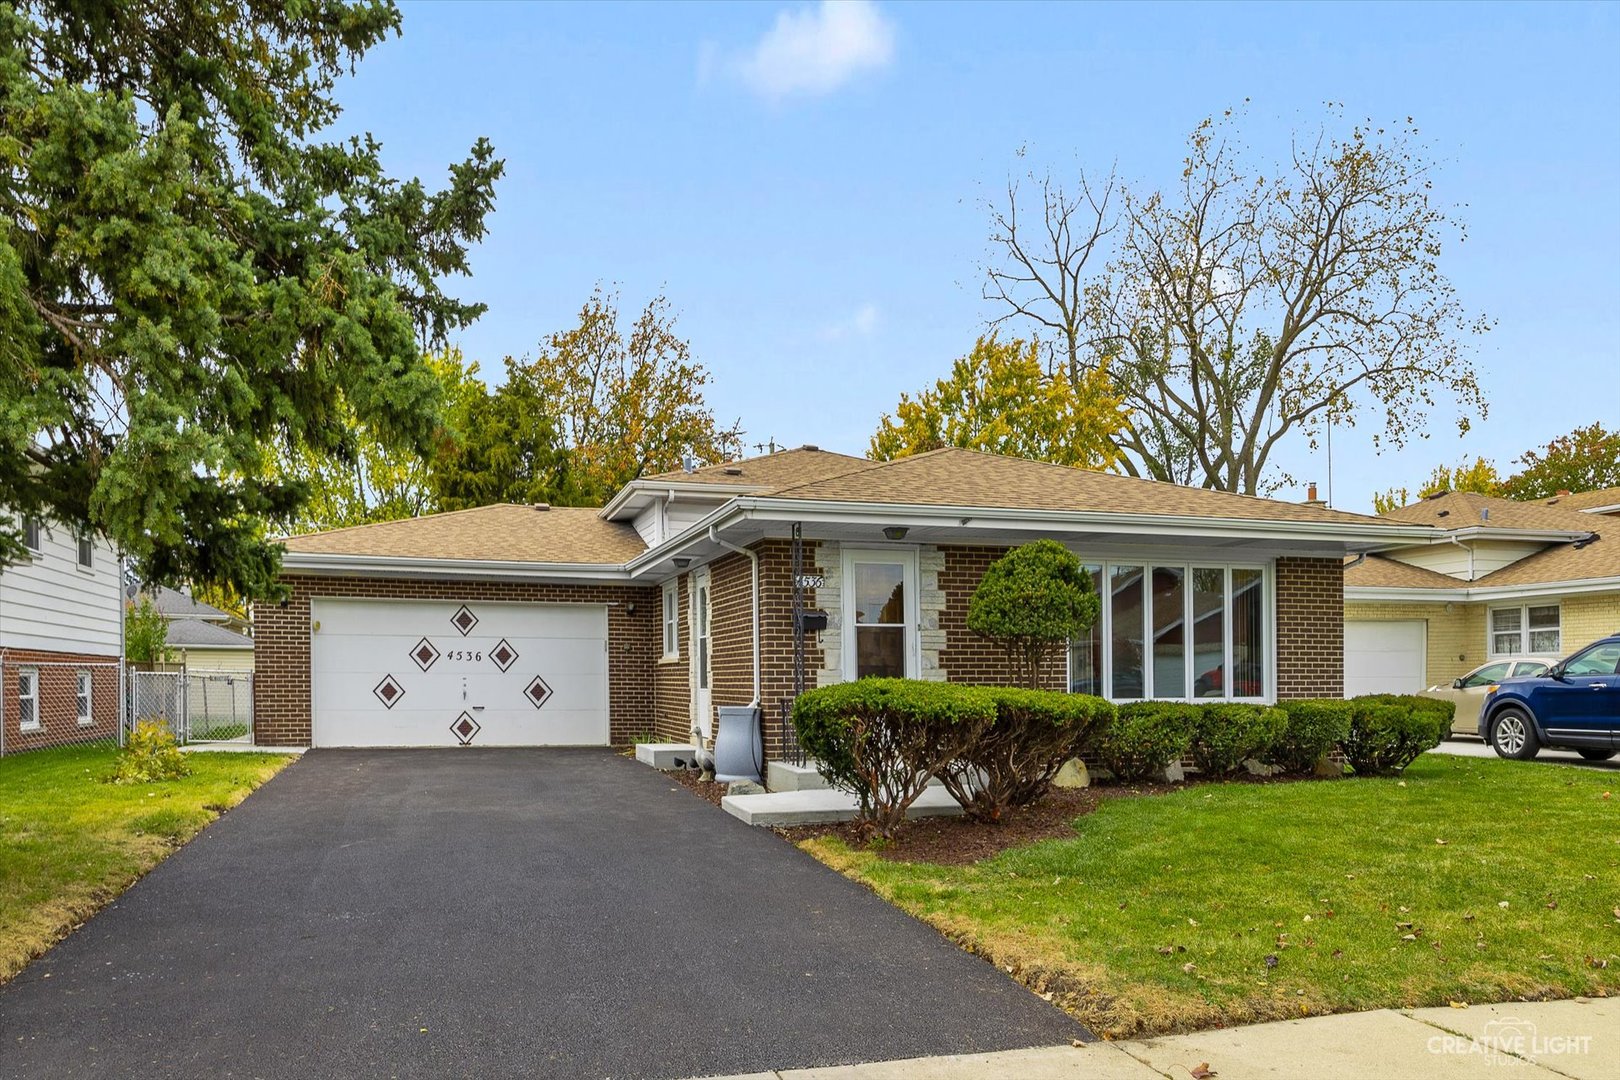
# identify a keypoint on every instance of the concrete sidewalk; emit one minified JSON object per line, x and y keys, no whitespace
{"x":1556,"y":1040}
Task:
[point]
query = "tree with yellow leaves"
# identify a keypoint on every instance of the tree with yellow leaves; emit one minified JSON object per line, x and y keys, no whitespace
{"x":1001,"y":399}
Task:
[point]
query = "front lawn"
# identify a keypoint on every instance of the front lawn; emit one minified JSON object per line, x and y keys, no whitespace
{"x":1464,"y":880}
{"x":69,"y":843}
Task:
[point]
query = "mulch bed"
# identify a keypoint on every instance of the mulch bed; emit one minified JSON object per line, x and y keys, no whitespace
{"x":957,"y":841}
{"x":703,"y":789}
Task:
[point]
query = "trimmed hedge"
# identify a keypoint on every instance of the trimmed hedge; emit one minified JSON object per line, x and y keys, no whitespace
{"x":1145,"y":737}
{"x":882,"y":739}
{"x":1225,"y":734}
{"x":1315,"y":727}
{"x":1013,"y":762}
{"x":1389,"y":731}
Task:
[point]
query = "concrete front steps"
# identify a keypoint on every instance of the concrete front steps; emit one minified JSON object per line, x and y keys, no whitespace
{"x":823,"y":806}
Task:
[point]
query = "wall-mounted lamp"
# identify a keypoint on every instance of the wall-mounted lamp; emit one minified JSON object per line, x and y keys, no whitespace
{"x":895,"y":532}
{"x":630,"y":608}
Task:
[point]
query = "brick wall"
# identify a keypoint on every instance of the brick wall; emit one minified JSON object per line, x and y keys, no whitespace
{"x":1310,"y":628}
{"x":281,"y":685}
{"x":672,"y":679}
{"x":58,"y":698}
{"x":967,"y":657}
{"x":1588,"y":617}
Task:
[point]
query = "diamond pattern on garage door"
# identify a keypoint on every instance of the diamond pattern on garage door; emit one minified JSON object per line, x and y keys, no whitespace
{"x":537,"y":692}
{"x":388,"y":691}
{"x":464,"y":620}
{"x":465,"y":728}
{"x":503,"y":654}
{"x":424,"y":654}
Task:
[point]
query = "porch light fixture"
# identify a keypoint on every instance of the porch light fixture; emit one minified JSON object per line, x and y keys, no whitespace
{"x":682,"y":562}
{"x":895,"y":532}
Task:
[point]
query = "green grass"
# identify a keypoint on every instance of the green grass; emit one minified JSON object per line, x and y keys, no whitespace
{"x":69,"y":843}
{"x":1346,"y":883}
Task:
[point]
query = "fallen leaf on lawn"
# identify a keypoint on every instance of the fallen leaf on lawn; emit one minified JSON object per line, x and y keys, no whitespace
{"x":1403,"y":926}
{"x":1192,"y":922}
{"x":1552,"y":905}
{"x":1189,"y":967}
{"x":1617,"y":913}
{"x":1458,"y":1004}
{"x":1337,"y":953}
{"x":1408,"y":937}
{"x":1202,"y":1071}
{"x":1469,"y":917}
{"x":1307,"y":918}
{"x":1503,"y":904}
{"x":1597,"y":962}
{"x":1439,"y":841}
{"x":1271,"y":961}
{"x":1404,"y":909}
{"x":1400,"y":783}
{"x":1165,"y":950}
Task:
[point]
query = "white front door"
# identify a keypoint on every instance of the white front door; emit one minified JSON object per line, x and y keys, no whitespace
{"x":1385,"y":657}
{"x":702,"y":665}
{"x":443,"y":673}
{"x":880,"y":613}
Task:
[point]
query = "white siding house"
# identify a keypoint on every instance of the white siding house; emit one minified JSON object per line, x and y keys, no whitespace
{"x":66,"y":598}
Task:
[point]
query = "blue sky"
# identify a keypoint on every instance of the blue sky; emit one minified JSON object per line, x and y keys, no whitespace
{"x":807,"y":192}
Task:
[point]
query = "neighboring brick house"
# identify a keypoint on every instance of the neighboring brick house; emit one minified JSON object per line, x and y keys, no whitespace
{"x":1502,"y":579}
{"x":61,"y":639}
{"x":517,"y":625}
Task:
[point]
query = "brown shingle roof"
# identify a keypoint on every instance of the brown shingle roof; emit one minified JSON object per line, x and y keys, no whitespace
{"x":784,"y":467}
{"x":953,"y":477}
{"x":1585,"y":500}
{"x":1377,"y":572}
{"x":507,"y":532}
{"x":1462,"y":510}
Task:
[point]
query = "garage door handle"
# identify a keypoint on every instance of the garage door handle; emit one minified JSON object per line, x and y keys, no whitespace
{"x":478,"y":708}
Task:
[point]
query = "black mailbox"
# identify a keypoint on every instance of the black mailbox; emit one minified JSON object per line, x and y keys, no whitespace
{"x":812,"y":621}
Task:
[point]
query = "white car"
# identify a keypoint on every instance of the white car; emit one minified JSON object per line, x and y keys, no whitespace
{"x":1468,"y":691}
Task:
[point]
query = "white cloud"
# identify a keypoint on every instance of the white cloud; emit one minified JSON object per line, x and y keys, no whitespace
{"x":860,"y":324}
{"x":815,"y":50}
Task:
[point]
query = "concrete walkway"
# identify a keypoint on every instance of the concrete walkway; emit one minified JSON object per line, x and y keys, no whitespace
{"x":1556,"y":1040}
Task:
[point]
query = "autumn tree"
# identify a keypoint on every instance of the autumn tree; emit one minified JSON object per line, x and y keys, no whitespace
{"x":1480,"y":477}
{"x":367,"y":480}
{"x":1587,"y":459}
{"x":1000,"y":398}
{"x":194,"y":280}
{"x":1251,"y":302}
{"x":626,"y":400}
{"x":506,"y":448}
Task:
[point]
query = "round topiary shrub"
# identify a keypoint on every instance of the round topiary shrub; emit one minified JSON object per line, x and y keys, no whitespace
{"x":1389,"y":731}
{"x":1226,"y":734}
{"x":1032,"y":602}
{"x":1315,"y":727}
{"x":1145,"y":737}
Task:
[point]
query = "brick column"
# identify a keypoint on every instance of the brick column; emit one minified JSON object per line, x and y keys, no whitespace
{"x":1310,"y":628}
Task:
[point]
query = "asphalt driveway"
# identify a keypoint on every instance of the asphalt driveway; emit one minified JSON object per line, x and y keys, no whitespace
{"x":496,"y":913}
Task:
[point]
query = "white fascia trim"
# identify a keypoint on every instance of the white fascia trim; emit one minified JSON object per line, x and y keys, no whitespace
{"x":1488,"y":592}
{"x":654,"y":488}
{"x":1528,"y":536}
{"x":1015,"y":519}
{"x":395,"y":566}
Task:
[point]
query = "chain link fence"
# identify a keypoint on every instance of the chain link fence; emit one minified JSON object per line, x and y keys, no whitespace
{"x":198,"y":706}
{"x":70,"y":703}
{"x":59,"y":703}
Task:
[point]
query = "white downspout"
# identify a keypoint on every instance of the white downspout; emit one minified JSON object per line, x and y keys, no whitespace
{"x":753,"y":558}
{"x":1470,"y":551}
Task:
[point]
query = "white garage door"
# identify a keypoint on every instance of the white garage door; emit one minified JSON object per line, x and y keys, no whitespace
{"x":414,"y":673}
{"x":1384,"y":657}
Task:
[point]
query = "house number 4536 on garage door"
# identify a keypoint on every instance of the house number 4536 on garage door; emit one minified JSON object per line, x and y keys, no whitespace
{"x":463,"y":654}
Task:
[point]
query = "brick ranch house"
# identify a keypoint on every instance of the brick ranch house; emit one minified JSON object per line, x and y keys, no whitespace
{"x":1511,"y":578}
{"x":527,"y":625}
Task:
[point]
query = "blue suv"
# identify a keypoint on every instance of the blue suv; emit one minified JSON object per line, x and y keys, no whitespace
{"x":1575,"y":706}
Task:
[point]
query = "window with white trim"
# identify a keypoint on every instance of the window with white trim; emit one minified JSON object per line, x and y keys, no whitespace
{"x":672,"y":620}
{"x":28,"y":699}
{"x":87,"y":552}
{"x":1526,"y":629}
{"x":81,"y":698}
{"x":1176,"y":631}
{"x":31,"y":535}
